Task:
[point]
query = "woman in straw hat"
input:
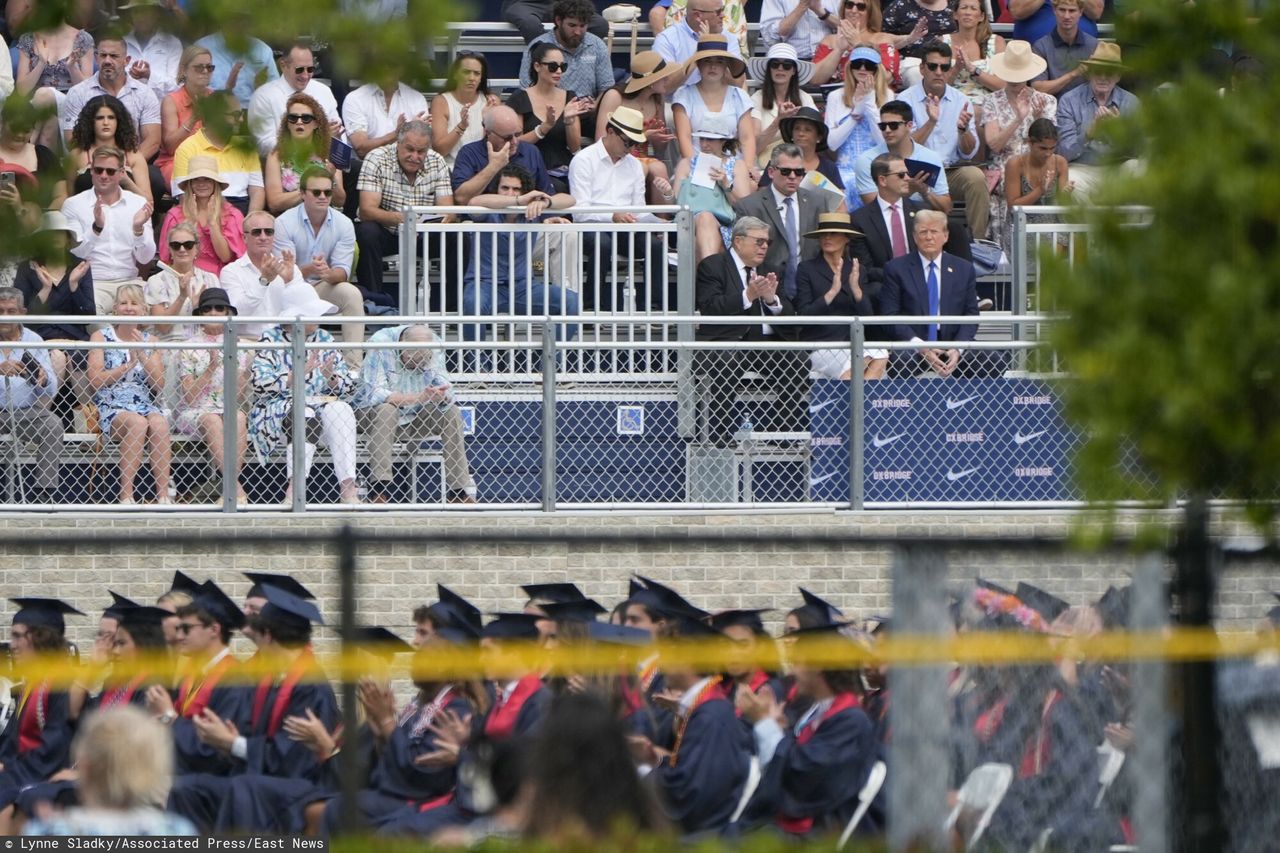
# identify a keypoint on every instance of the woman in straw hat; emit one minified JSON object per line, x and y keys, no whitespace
{"x":781,"y":73}
{"x":219,"y":224}
{"x":646,"y":92}
{"x":831,"y":284}
{"x":713,"y":100}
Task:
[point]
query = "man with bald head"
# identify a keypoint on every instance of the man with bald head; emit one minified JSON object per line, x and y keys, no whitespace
{"x":476,"y":168}
{"x":406,"y":394}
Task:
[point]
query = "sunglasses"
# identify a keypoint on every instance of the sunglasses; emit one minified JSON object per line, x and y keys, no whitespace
{"x":184,"y":245}
{"x":260,"y":232}
{"x":628,"y":142}
{"x":553,"y":67}
{"x":862,"y":65}
{"x":204,"y":66}
{"x":301,"y":118}
{"x":105,"y":170}
{"x":861,"y":7}
{"x":759,"y":241}
{"x":938,"y":66}
{"x":890,"y":125}
{"x":321,"y":193}
{"x":304,"y":69}
{"x":785,"y":64}
{"x":469,"y":54}
{"x":510,"y":137}
{"x":791,"y":173}
{"x":904,"y":174}
{"x":185,"y":627}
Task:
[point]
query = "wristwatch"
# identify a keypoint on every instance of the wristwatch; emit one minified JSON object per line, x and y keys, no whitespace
{"x":167,"y":717}
{"x":826,"y":13}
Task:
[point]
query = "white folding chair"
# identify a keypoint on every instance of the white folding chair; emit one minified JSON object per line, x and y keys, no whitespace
{"x":981,"y":792}
{"x":875,"y":780}
{"x":753,"y":782}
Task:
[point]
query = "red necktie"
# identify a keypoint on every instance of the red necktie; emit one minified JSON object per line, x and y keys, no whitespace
{"x":897,"y":235}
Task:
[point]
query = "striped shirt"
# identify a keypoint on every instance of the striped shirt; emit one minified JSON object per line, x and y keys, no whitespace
{"x":381,"y":173}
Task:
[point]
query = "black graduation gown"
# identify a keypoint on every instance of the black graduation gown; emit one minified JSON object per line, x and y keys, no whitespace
{"x":36,"y":743}
{"x":703,"y":787}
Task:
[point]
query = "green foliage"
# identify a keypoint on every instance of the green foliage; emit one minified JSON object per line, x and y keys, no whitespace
{"x":1173,"y":327}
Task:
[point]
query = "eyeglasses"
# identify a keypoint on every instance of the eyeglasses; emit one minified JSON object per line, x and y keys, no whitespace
{"x":900,"y":175}
{"x":301,"y":118}
{"x":785,"y":64}
{"x":890,"y":125}
{"x":510,"y":137}
{"x":862,"y":65}
{"x":304,"y":69}
{"x":204,"y":66}
{"x":553,"y":67}
{"x":105,"y":170}
{"x":321,"y":193}
{"x":184,"y":245}
{"x":861,"y":7}
{"x":259,"y":232}
{"x":185,"y":627}
{"x":791,"y":173}
{"x":759,"y":241}
{"x":938,"y":66}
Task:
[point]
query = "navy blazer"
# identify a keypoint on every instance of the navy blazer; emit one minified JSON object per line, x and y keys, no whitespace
{"x":904,"y":294}
{"x":813,"y":280}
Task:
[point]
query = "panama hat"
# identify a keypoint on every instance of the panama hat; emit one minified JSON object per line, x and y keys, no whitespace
{"x":647,"y":68}
{"x":1017,"y":64}
{"x":202,"y":167}
{"x":716,"y":45}
{"x":759,"y":65}
{"x":1105,"y":59}
{"x":629,"y":122}
{"x":834,"y":223}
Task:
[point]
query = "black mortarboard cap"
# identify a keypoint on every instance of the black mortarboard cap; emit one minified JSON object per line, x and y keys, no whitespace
{"x":829,"y":613}
{"x":1113,"y":607}
{"x":210,"y":598}
{"x":553,"y":593}
{"x":453,"y":609}
{"x":458,"y":633}
{"x":638,"y":593}
{"x":261,"y":580}
{"x":1273,"y":616}
{"x":994,"y":587}
{"x":183,"y":582}
{"x":1046,"y":604}
{"x":43,"y":611}
{"x":512,"y":626}
{"x":284,"y":606}
{"x":621,"y":635}
{"x":882,"y":623}
{"x":380,"y":641}
{"x":749,"y":618}
{"x":118,"y":605}
{"x":142,"y":614}
{"x":585,"y":610}
{"x":668,"y":598}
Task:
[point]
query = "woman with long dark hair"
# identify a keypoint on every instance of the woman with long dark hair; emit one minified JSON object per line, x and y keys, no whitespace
{"x":105,"y":120}
{"x":552,"y":117}
{"x":456,"y":113}
{"x":781,"y":73}
{"x":302,"y":141}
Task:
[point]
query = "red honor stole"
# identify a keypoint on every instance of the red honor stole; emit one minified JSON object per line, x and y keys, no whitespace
{"x":31,"y":717}
{"x":501,"y":721}
{"x":193,"y":697}
{"x":842,"y":702}
{"x":292,"y":676}
{"x":758,"y":679}
{"x":123,"y":694}
{"x":709,"y":691}
{"x":1037,"y":752}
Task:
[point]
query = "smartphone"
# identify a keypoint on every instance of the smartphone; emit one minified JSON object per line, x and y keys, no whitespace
{"x":30,"y":366}
{"x":7,"y":179}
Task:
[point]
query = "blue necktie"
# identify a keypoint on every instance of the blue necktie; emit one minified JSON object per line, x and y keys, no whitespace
{"x":931,"y":283}
{"x":793,"y":247}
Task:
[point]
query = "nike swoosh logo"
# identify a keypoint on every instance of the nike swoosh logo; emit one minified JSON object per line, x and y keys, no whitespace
{"x":818,"y":407}
{"x":1019,"y":438}
{"x":881,"y":442}
{"x":813,"y":481}
{"x":955,"y":404}
{"x":960,"y":475}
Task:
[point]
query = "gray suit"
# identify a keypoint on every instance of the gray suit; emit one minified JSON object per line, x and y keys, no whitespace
{"x":762,"y":205}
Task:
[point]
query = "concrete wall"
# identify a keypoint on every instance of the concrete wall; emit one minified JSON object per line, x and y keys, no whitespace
{"x":394,"y":577}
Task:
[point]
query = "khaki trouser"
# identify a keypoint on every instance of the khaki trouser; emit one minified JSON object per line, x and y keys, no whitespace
{"x":379,"y":425}
{"x":41,"y":427}
{"x":350,"y":303}
{"x":970,"y":184}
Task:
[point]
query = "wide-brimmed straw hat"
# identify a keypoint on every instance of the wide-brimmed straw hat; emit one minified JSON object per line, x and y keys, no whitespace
{"x":834,"y":223}
{"x":716,"y":45}
{"x":1017,"y":64}
{"x":759,"y":65}
{"x":629,"y":122}
{"x":203,"y":167}
{"x":647,"y":68}
{"x":1105,"y":59}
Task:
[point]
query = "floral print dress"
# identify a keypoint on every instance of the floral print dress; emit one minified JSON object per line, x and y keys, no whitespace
{"x":272,"y":380}
{"x":129,"y":393}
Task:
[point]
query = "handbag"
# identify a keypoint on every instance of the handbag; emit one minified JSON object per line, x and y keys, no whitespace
{"x":700,"y":199}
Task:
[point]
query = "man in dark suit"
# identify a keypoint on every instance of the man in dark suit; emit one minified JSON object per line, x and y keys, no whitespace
{"x":790,"y":211}
{"x":929,"y":281}
{"x":732,"y":284}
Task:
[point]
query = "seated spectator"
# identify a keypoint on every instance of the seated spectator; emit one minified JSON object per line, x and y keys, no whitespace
{"x":255,"y":282}
{"x":498,"y":279}
{"x":223,"y":140}
{"x":645,"y":91}
{"x":679,"y":39}
{"x":124,"y":760}
{"x":112,"y":79}
{"x":1083,"y":109}
{"x":406,"y":394}
{"x":178,"y":118}
{"x":853,"y":114}
{"x":49,"y":62}
{"x":239,"y":72}
{"x":302,"y":142}
{"x":1008,"y":115}
{"x":972,"y":46}
{"x":154,"y":50}
{"x":732,"y":21}
{"x":1038,"y":177}
{"x":476,"y":169}
{"x":374,"y":112}
{"x":903,"y":17}
{"x":105,"y":121}
{"x":805,"y":130}
{"x":39,"y":182}
{"x":1034,"y":19}
{"x":28,"y":384}
{"x":943,"y":119}
{"x":406,"y":173}
{"x":174,"y":292}
{"x":861,"y":23}
{"x":896,"y":125}
{"x":127,"y":385}
{"x":456,"y":112}
{"x":323,"y":240}
{"x":202,"y":205}
{"x":800,"y":26}
{"x":710,"y":205}
{"x":589,"y":71}
{"x":269,"y":103}
{"x":329,"y":384}
{"x":884,"y":223}
{"x":112,"y":227}
{"x":781,"y":73}
{"x":201,"y":407}
{"x":712,"y":102}
{"x":528,"y":16}
{"x":833,"y":284}
{"x":552,"y":116}
{"x":1063,"y":49}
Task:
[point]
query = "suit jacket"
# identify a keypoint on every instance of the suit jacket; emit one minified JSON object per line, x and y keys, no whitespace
{"x":904,"y":294}
{"x":874,"y":249}
{"x":813,"y":280}
{"x":719,"y":294}
{"x":811,"y":202}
